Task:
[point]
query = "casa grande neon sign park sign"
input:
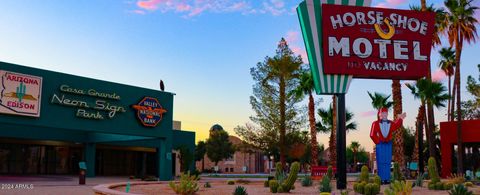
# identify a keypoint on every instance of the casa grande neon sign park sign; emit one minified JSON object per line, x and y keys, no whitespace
{"x":376,"y":43}
{"x":20,"y":94}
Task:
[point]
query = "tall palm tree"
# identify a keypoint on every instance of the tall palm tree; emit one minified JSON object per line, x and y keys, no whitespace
{"x":354,"y":146}
{"x":447,"y":64}
{"x":333,"y":134}
{"x":380,"y":100}
{"x":439,"y":27}
{"x":398,"y":141}
{"x":429,"y":93}
{"x":306,"y":88}
{"x":284,"y":67}
{"x":327,"y":124}
{"x":461,"y":23}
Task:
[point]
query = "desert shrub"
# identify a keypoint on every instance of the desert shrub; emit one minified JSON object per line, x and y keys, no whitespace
{"x":419,"y":181}
{"x":265,"y":183}
{"x":207,"y":185}
{"x":377,"y":180}
{"x":240,"y":190}
{"x":242,"y":181}
{"x":307,"y":181}
{"x":468,"y":184}
{"x":188,"y":184}
{"x":230,"y":182}
{"x":330,"y":172}
{"x":457,"y":178}
{"x":399,"y":187}
{"x":397,"y":174}
{"x":459,"y":190}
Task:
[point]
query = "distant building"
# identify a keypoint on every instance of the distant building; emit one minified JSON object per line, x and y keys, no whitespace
{"x":241,"y":162}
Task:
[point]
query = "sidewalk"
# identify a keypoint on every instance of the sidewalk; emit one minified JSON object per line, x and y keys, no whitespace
{"x":51,"y":184}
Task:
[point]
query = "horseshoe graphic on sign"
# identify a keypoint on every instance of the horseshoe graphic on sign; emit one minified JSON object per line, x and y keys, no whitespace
{"x":381,"y":33}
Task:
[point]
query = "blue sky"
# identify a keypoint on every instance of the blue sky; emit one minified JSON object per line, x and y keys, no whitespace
{"x":202,"y":49}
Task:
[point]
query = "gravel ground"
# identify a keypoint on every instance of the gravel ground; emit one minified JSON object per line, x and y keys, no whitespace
{"x":256,"y":188}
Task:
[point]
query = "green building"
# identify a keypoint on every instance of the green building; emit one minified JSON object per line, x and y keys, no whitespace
{"x":50,"y":121}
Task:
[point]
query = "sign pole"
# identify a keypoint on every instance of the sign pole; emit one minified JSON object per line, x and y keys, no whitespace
{"x":341,"y":142}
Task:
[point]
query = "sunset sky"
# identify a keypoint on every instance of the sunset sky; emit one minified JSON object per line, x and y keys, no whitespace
{"x":202,"y":49}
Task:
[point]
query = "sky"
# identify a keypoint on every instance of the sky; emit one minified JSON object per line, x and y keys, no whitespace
{"x":202,"y":49}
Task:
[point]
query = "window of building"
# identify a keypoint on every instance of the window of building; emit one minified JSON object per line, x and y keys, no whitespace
{"x":226,"y":169}
{"x":231,"y":169}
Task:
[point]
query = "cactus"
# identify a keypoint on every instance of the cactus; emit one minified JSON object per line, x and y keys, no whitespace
{"x":439,"y":186}
{"x":377,"y":180}
{"x":265,"y":183}
{"x":447,"y":186}
{"x":397,"y":174}
{"x":432,"y":170}
{"x":278,"y":170}
{"x":280,"y":189}
{"x":368,"y":189}
{"x":376,"y":188}
{"x":20,"y":92}
{"x":292,"y":177}
{"x":364,"y":174}
{"x":468,"y":184}
{"x":273,"y":184}
{"x":325,"y":185}
{"x":330,"y":172}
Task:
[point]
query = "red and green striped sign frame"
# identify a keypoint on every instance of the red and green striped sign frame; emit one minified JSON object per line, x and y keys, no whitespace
{"x":310,"y":16}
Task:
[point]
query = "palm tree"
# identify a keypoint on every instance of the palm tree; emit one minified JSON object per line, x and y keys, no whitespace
{"x":284,"y":67}
{"x":430,"y":93}
{"x":461,"y":23}
{"x":380,"y":100}
{"x":354,"y":146}
{"x":398,"y":141}
{"x":447,"y":63}
{"x":327,"y":123}
{"x":306,"y":88}
{"x":440,"y":24}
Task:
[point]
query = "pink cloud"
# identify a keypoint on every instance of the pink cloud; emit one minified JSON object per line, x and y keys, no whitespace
{"x":137,"y":11}
{"x":368,"y":113}
{"x":382,"y":5}
{"x":149,"y":4}
{"x":278,"y":3}
{"x":438,"y":75}
{"x":239,"y":6}
{"x":182,"y":7}
{"x":396,"y":2}
{"x":300,"y":51}
{"x":292,"y":36}
{"x":196,"y":11}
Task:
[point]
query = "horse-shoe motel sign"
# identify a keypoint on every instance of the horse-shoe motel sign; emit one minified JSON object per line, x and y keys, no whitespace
{"x":347,"y":39}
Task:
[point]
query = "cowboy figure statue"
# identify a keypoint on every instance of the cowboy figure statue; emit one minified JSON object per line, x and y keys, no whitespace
{"x":381,"y":134}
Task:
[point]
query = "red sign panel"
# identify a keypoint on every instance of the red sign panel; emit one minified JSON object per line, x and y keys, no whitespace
{"x":376,"y":43}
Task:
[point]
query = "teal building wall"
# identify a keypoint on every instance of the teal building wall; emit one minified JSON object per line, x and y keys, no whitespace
{"x":60,"y":123}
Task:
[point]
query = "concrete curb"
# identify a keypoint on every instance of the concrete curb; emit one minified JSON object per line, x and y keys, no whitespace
{"x":107,"y":189}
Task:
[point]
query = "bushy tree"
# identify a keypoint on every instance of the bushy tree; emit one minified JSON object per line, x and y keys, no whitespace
{"x":274,"y":102}
{"x":200,"y":151}
{"x":219,"y":146}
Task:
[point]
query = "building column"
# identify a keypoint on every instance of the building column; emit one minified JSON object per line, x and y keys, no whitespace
{"x":90,"y":150}
{"x":164,"y":160}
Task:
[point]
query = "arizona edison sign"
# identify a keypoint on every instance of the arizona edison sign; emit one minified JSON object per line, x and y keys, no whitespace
{"x":20,"y":94}
{"x":376,"y":43}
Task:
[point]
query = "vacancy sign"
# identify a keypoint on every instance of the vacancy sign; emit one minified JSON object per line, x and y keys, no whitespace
{"x":376,"y":43}
{"x":20,"y":94}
